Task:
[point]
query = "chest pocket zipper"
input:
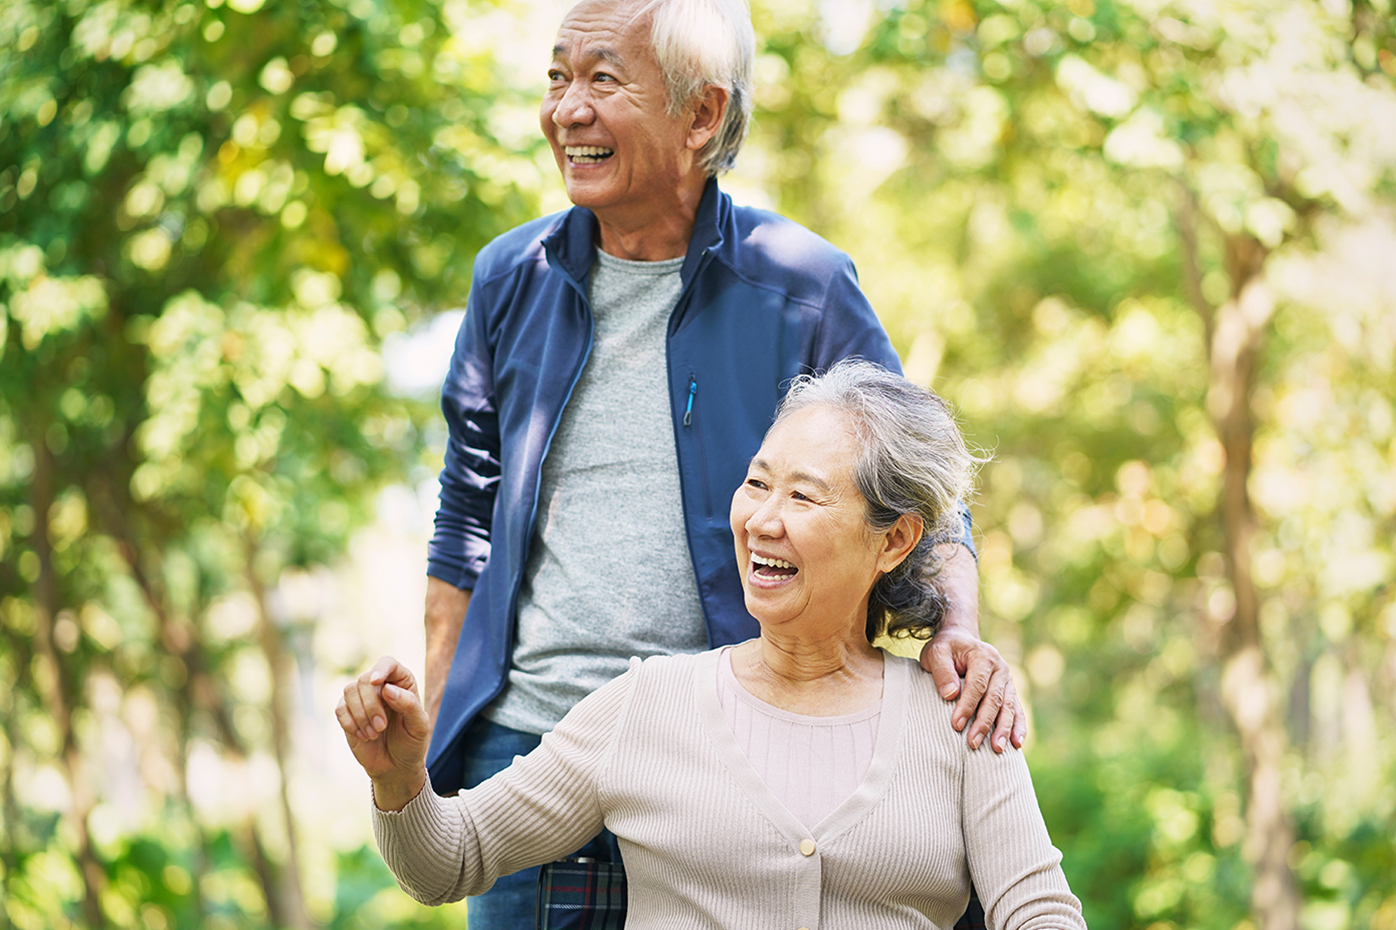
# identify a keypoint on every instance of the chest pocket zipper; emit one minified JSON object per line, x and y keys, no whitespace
{"x":692,"y":391}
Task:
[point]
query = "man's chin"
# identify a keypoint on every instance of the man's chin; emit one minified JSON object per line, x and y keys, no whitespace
{"x":585,"y":194}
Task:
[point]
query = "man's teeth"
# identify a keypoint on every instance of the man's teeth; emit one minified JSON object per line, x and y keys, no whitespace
{"x":772,"y":563}
{"x":587,"y":154}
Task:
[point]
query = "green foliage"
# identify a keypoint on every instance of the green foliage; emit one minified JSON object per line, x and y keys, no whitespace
{"x":210,"y":217}
{"x":1050,"y":204}
{"x":213,"y":214}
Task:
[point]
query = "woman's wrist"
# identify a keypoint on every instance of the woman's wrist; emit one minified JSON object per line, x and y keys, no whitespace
{"x":392,"y":793}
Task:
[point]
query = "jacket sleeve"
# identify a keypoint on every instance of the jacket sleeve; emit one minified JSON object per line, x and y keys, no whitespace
{"x":541,"y":808}
{"x":850,"y":327}
{"x":460,"y":544}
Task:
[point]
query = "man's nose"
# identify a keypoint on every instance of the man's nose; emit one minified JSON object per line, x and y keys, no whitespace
{"x":575,"y":106}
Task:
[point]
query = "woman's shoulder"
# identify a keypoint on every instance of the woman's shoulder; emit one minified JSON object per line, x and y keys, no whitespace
{"x":923,"y":701}
{"x":648,"y":685}
{"x":671,"y":667}
{"x":908,"y":668}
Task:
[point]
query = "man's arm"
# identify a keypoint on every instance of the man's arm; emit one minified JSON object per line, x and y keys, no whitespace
{"x":957,"y":652}
{"x":460,"y":545}
{"x":445,"y":612}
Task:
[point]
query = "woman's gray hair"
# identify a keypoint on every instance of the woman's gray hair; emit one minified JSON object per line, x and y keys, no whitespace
{"x":910,"y":459}
{"x":703,"y":42}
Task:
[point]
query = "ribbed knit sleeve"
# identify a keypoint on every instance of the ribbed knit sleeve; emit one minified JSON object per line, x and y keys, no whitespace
{"x":1016,"y":869}
{"x":540,"y":809}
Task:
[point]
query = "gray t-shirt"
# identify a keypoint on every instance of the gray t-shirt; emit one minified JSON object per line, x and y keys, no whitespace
{"x":609,"y":574}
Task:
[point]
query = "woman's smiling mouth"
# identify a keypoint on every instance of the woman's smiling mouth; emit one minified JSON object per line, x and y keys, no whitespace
{"x":763,"y":567}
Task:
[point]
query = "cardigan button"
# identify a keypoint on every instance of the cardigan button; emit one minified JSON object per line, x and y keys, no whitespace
{"x":806,"y":849}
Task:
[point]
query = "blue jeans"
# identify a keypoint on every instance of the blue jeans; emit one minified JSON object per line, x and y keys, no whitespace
{"x":512,"y":903}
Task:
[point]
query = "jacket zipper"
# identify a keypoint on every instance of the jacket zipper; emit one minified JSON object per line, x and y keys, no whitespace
{"x":692,"y":390}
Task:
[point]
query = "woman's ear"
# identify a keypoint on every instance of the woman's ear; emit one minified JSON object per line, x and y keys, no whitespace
{"x":898,"y":541}
{"x":707,"y":116}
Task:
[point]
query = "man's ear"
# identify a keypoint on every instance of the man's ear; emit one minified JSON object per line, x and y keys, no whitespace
{"x":898,"y":541}
{"x":708,"y":111}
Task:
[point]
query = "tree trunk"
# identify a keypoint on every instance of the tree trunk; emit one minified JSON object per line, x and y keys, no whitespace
{"x":1249,"y":691}
{"x":56,"y":687}
{"x":273,"y":648}
{"x":9,"y":858}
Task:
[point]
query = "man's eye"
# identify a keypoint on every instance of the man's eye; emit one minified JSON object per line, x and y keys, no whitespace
{"x":798,"y":496}
{"x":754,"y":483}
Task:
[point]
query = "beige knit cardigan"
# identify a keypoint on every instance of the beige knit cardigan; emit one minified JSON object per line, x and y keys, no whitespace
{"x":707,"y":845}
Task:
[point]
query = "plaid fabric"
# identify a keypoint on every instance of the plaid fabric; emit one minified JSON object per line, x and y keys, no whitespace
{"x":581,"y":896}
{"x":592,"y":896}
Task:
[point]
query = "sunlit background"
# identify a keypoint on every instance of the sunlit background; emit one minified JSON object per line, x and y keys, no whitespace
{"x":1146,"y":247}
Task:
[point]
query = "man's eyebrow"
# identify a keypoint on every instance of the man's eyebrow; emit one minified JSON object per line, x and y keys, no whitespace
{"x":602,"y":53}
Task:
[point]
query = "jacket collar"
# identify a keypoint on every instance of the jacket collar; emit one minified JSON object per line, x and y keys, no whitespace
{"x":571,"y":245}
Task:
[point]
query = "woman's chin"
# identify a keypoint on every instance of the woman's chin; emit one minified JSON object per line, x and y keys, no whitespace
{"x":771,"y":616}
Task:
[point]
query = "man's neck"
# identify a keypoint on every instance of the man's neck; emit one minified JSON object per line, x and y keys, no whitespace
{"x":660,"y":233}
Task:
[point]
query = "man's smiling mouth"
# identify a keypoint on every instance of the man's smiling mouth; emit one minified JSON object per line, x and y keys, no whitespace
{"x":587,"y":154}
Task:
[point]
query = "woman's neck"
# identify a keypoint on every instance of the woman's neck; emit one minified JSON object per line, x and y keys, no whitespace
{"x":822,"y":678}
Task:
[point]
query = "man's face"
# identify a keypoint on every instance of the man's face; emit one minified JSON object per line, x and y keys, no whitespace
{"x":605,"y":115}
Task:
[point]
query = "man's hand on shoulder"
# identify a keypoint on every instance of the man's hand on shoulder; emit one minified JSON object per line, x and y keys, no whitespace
{"x":970,"y":670}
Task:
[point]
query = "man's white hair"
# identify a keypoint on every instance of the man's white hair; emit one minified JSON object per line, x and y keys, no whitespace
{"x":707,"y":42}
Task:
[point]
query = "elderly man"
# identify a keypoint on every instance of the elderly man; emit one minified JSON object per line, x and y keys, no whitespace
{"x":615,"y":371}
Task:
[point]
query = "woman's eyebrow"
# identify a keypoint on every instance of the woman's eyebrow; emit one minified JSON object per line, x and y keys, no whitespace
{"x":813,"y":479}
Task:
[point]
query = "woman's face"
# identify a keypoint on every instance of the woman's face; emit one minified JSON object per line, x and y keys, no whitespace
{"x":804,"y":549}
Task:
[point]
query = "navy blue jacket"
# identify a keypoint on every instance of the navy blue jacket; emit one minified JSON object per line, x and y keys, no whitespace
{"x":763,"y":299}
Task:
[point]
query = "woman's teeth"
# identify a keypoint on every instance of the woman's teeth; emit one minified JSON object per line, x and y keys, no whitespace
{"x":779,"y":565}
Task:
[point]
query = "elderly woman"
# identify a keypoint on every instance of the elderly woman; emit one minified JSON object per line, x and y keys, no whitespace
{"x":801,"y":779}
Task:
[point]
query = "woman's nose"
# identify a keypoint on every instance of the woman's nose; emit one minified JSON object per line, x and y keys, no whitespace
{"x":765,"y":520}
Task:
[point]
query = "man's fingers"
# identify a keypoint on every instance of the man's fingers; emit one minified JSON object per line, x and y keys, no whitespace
{"x":989,"y":700}
{"x":939,"y":659}
{"x":972,"y":696}
{"x":1020,"y":718}
{"x":1008,"y":713}
{"x":986,"y":701}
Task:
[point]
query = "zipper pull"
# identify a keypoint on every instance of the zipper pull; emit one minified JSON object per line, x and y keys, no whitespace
{"x":688,"y":411}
